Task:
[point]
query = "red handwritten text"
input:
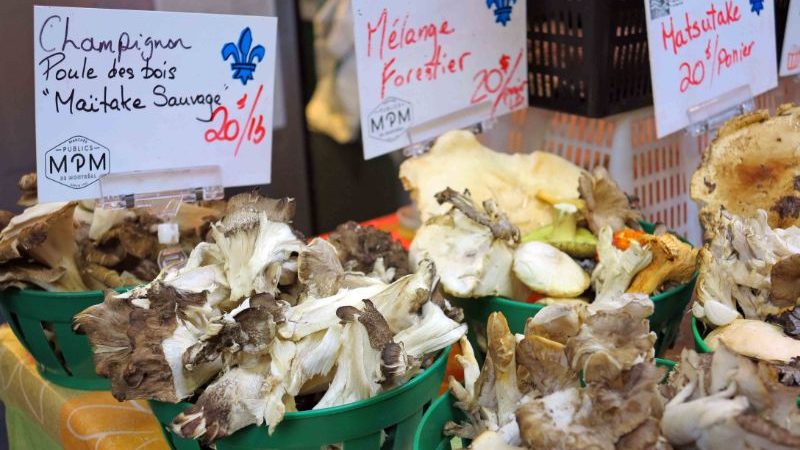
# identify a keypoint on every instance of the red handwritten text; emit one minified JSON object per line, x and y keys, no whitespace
{"x":695,"y":73}
{"x":230,"y":129}
{"x":674,"y":39}
{"x":389,"y":34}
{"x":497,"y":85}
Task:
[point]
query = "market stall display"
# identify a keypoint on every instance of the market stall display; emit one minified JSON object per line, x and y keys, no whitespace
{"x":57,"y":260}
{"x":561,"y":382}
{"x":586,"y":243}
{"x":259,"y":324}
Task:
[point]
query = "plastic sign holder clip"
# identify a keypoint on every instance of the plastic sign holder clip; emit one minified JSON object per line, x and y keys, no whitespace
{"x":422,"y":136}
{"x":119,"y":190}
{"x":711,"y":114}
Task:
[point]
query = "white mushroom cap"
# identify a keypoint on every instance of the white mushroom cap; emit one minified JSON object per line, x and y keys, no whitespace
{"x":548,"y":270}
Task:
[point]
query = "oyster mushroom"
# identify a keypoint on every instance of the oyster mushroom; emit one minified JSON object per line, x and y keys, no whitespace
{"x":606,"y":203}
{"x":472,"y":248}
{"x":751,"y":166}
{"x":548,"y":270}
{"x":27,"y":188}
{"x":755,"y":339}
{"x":673,"y":261}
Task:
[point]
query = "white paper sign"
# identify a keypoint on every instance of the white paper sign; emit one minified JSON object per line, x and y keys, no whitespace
{"x":121,"y":91}
{"x":790,"y":54}
{"x":425,"y":67}
{"x":701,"y":50}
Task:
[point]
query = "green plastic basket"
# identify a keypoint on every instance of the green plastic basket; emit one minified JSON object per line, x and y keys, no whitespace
{"x":429,"y":435}
{"x":665,"y":321}
{"x":32,"y":313}
{"x":357,"y":426}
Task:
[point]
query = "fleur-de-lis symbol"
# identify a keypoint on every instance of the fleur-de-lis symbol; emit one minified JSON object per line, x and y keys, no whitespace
{"x":502,"y":10}
{"x":244,"y":58}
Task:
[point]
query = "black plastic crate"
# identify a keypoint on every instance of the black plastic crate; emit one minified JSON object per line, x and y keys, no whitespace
{"x":781,"y":14}
{"x":588,"y":57}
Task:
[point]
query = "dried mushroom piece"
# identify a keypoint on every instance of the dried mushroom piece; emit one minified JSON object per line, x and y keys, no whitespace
{"x":5,"y":218}
{"x":752,"y":166}
{"x":606,"y":203}
{"x":44,"y":233}
{"x":459,"y":161}
{"x":472,"y":248}
{"x":22,"y":275}
{"x":360,"y":248}
{"x":27,"y":190}
{"x":673,"y":261}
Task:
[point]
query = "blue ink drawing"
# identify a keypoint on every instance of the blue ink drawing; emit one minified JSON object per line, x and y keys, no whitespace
{"x":756,"y":6}
{"x":502,"y":10}
{"x":244,"y":58}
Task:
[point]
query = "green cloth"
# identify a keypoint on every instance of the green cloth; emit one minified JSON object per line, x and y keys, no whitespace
{"x":26,"y":434}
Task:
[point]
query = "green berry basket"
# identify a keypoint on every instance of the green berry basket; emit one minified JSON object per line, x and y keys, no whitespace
{"x":665,"y":321}
{"x":42,"y":321}
{"x":357,"y":426}
{"x":429,"y":434}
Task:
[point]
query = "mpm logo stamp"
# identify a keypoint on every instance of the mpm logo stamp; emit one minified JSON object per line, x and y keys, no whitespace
{"x":390,"y":119}
{"x":77,"y":162}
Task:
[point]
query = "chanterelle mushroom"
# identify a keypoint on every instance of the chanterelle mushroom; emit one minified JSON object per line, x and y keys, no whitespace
{"x":673,"y":261}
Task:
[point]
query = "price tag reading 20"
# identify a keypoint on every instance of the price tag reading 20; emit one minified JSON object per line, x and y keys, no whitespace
{"x":700,"y":50}
{"x":449,"y":62}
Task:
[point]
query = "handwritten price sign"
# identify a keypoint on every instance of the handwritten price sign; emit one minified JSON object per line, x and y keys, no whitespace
{"x":428,"y":66}
{"x":701,"y":50}
{"x":121,"y":91}
{"x":790,"y":55}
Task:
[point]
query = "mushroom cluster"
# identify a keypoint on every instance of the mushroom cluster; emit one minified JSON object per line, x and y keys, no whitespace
{"x":259,"y":323}
{"x":74,"y":246}
{"x":480,"y":252}
{"x":529,"y":392}
{"x":725,"y":400}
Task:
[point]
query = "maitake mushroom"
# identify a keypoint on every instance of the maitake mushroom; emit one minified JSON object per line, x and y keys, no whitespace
{"x":222,"y":320}
{"x":737,"y":267}
{"x":369,"y":250}
{"x":618,"y":409}
{"x":41,"y":239}
{"x":616,"y":268}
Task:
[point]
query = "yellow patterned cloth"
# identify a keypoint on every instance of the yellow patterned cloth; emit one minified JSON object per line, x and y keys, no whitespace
{"x":75,"y":419}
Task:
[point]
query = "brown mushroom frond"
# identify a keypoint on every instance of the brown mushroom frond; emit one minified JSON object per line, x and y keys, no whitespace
{"x":490,"y":217}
